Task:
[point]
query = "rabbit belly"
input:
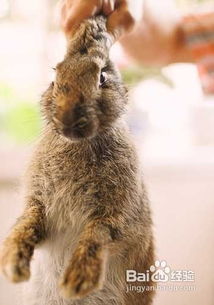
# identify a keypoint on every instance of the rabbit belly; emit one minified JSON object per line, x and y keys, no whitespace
{"x":48,"y":264}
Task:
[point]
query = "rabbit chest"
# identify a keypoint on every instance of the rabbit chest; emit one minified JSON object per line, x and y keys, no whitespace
{"x":80,"y":181}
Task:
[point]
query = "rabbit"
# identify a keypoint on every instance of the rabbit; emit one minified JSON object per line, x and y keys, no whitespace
{"x":86,"y":219}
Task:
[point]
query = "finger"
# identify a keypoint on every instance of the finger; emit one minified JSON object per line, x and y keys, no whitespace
{"x":76,"y":14}
{"x":108,"y":7}
{"x":63,"y":12}
{"x":120,"y":21}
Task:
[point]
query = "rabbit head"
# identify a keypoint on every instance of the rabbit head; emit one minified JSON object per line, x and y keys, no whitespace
{"x":87,"y":96}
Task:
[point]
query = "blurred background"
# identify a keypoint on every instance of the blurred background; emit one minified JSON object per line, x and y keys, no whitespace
{"x":172,"y":121}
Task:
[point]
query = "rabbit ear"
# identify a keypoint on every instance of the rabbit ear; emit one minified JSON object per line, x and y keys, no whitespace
{"x":120,"y":21}
{"x":91,"y":35}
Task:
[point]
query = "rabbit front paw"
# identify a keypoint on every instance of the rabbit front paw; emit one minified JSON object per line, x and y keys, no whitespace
{"x":15,"y":262}
{"x":84,"y":274}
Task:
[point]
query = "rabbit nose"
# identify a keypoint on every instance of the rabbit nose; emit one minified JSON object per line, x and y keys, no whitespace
{"x":78,"y":122}
{"x":80,"y":129}
{"x":81,"y":123}
{"x":75,"y":117}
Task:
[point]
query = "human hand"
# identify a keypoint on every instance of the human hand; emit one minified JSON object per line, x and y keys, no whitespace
{"x":157,"y":42}
{"x":74,"y":11}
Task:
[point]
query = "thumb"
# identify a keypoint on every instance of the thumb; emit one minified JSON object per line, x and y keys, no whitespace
{"x":74,"y":15}
{"x":120,"y":21}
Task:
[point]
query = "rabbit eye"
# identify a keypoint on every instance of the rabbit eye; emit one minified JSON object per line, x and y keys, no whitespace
{"x":103,"y":77}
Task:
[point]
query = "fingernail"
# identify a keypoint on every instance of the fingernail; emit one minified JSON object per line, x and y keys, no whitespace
{"x":112,"y":5}
{"x":108,"y":6}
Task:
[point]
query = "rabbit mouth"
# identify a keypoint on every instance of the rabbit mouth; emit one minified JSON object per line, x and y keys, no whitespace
{"x":78,"y":122}
{"x":81,"y":129}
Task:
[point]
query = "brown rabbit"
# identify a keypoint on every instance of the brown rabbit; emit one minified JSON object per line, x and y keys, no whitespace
{"x":86,"y":210}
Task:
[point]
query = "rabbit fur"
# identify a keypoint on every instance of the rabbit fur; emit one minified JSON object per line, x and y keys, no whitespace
{"x":86,"y":218}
